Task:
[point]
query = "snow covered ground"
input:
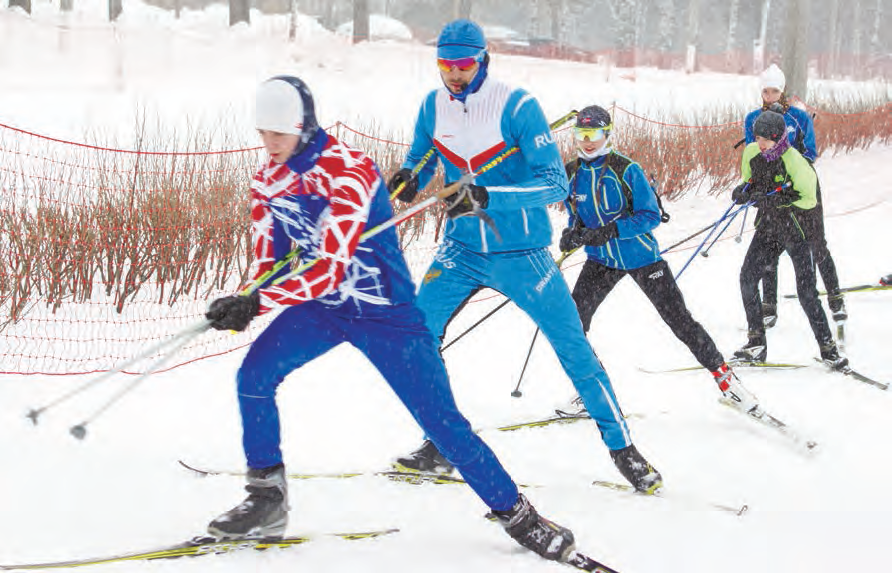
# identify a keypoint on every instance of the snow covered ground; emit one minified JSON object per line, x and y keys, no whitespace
{"x":121,"y":488}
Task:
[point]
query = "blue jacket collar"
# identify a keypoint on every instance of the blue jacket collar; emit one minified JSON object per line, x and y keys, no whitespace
{"x":305,"y":160}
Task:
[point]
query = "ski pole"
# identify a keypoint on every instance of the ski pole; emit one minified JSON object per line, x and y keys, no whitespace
{"x":415,"y":171}
{"x":79,"y":431}
{"x":688,"y":238}
{"x":713,"y":227}
{"x":739,"y":236}
{"x":496,"y":309}
{"x":705,"y":252}
{"x":184,"y":335}
{"x":516,"y":393}
{"x":476,"y":324}
{"x":187,"y":333}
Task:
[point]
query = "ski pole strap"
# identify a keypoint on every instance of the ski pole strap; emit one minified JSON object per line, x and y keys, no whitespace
{"x":415,"y":171}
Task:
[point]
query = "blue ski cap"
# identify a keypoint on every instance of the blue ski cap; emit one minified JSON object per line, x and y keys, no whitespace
{"x":460,"y":39}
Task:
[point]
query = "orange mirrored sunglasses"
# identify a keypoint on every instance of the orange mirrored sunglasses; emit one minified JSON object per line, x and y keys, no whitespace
{"x":463,"y":64}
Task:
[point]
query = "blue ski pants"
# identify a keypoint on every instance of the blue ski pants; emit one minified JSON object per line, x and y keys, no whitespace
{"x":397,"y":342}
{"x":532,"y":280}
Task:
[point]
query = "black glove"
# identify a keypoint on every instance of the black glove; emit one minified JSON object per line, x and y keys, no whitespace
{"x":233,"y":312}
{"x":780,"y":196}
{"x":410,"y":189}
{"x":741,"y":194}
{"x":465,"y":200}
{"x":570,"y":239}
{"x":575,"y":237}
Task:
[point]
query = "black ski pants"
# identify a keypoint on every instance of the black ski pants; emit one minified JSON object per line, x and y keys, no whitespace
{"x":814,"y":228}
{"x":764,"y":248}
{"x":656,"y":281}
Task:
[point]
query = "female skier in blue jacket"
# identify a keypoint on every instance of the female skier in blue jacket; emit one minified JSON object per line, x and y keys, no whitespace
{"x":613,"y":211}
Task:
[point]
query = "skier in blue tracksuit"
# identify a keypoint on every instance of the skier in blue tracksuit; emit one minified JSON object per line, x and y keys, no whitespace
{"x":470,"y":121}
{"x":801,"y":135}
{"x":322,"y":195}
{"x":613,"y":211}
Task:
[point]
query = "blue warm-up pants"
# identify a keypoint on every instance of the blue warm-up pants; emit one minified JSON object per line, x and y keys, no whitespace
{"x":396,"y":340}
{"x":532,"y":280}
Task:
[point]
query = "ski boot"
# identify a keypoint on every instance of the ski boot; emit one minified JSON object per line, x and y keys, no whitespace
{"x":576,"y":409}
{"x":831,"y":356}
{"x":755,"y":349}
{"x":541,"y":536}
{"x":837,"y":308}
{"x":735,"y":392}
{"x":769,"y":314}
{"x":637,"y":470}
{"x":426,"y":459}
{"x":263,"y":514}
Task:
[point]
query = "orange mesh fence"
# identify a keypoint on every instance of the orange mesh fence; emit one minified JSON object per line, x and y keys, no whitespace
{"x":105,"y":252}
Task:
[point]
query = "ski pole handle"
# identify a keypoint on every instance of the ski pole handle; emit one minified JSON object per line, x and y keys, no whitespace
{"x":415,"y":171}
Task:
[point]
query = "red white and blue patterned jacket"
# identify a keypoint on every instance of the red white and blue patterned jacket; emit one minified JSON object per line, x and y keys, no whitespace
{"x":321,"y":201}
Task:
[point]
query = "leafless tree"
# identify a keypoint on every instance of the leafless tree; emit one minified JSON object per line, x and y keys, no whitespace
{"x":239,"y":11}
{"x":360,"y":21}
{"x":693,"y":34}
{"x":833,"y":38}
{"x":462,"y":8}
{"x":115,"y":7}
{"x":796,"y":48}
{"x":23,"y":4}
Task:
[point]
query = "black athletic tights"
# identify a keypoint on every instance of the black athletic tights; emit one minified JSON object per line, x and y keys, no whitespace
{"x":656,"y":281}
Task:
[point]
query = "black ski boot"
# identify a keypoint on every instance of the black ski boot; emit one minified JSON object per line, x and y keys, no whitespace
{"x":755,"y":349}
{"x":831,"y":356}
{"x":541,"y":536}
{"x":637,"y":470}
{"x":769,"y":315}
{"x":576,"y":409}
{"x":263,"y":514}
{"x":837,"y":308}
{"x":426,"y":459}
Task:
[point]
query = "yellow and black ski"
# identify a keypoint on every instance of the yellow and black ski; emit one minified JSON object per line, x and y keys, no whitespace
{"x":195,"y":548}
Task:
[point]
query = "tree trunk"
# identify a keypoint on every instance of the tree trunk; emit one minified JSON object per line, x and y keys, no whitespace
{"x":693,"y":35}
{"x":876,"y":45}
{"x":360,"y":21}
{"x":239,"y":11}
{"x":796,"y":48}
{"x":67,"y":5}
{"x":856,"y":38}
{"x":292,"y":22}
{"x":557,"y":9}
{"x":115,"y":7}
{"x":666,"y":32}
{"x":23,"y":4}
{"x":733,"y":7}
{"x":833,"y":40}
{"x":462,"y":9}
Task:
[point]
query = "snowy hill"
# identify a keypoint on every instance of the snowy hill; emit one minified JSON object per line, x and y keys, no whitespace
{"x":122,"y":489}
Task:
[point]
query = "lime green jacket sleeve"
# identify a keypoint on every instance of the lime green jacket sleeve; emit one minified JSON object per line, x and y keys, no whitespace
{"x":749,"y":152}
{"x":803,"y":177}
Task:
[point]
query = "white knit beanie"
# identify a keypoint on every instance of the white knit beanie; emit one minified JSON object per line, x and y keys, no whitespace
{"x":773,"y":77}
{"x":279,"y":107}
